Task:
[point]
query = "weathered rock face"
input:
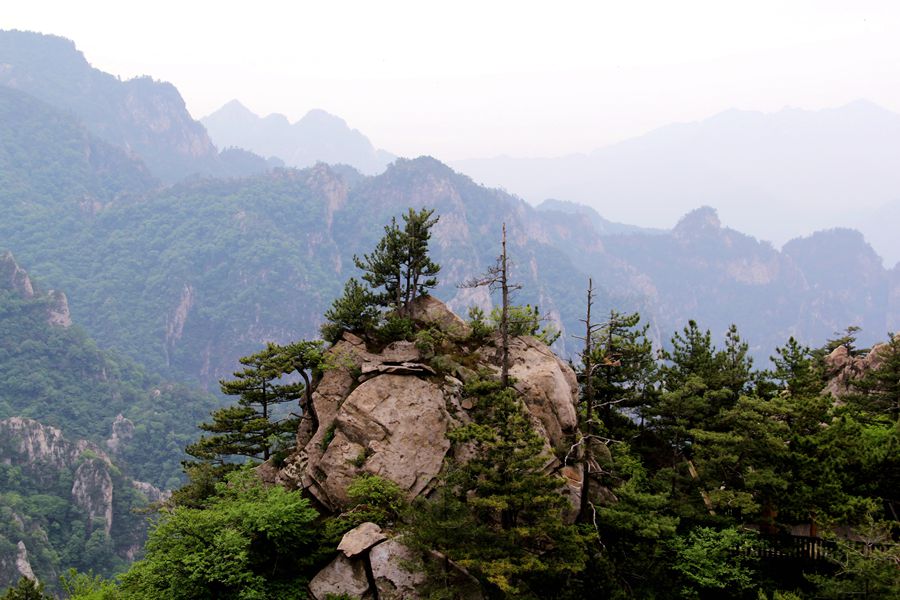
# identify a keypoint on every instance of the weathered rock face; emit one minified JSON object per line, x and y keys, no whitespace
{"x":122,"y":431}
{"x":44,"y":455}
{"x":548,"y":386}
{"x":58,"y":312}
{"x":384,"y":568}
{"x":393,"y":426}
{"x":428,"y":310}
{"x":360,"y":538}
{"x":22,"y":564}
{"x":341,"y":576}
{"x":842,"y":369}
{"x":393,"y":577}
{"x":388,"y":413}
{"x":92,"y":491}
{"x":14,"y":277}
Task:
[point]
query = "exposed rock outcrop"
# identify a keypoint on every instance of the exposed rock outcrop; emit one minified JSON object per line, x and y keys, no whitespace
{"x":388,"y":412}
{"x":14,"y":277}
{"x":58,"y":312}
{"x":428,"y":310}
{"x":122,"y":431}
{"x":341,"y":576}
{"x":842,"y":368}
{"x":389,"y":570}
{"x":44,"y":453}
{"x":393,"y":426}
{"x":22,"y":564}
{"x":361,"y":538}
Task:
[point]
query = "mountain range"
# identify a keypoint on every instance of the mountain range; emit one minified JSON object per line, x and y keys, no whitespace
{"x":187,"y":277}
{"x":317,"y":137}
{"x":776,"y":176}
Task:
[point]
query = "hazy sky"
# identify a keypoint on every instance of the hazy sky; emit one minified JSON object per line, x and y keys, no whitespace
{"x":462,"y":79}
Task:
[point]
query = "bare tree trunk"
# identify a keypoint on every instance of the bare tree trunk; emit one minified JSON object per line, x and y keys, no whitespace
{"x":589,"y":405}
{"x":309,"y":421}
{"x":265,"y":409}
{"x":504,"y":318}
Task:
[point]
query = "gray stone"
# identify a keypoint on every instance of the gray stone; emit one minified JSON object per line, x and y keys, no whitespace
{"x":361,"y":538}
{"x":390,"y":561}
{"x":341,"y":576}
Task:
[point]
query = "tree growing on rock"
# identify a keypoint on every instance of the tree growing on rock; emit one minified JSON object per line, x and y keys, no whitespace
{"x":500,"y":515}
{"x":399,"y":269}
{"x":497,"y":277}
{"x":354,"y":311}
{"x":250,"y":429}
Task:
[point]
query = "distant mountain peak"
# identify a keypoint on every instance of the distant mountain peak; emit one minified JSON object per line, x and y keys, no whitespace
{"x":698,"y":221}
{"x":318,"y":114}
{"x":145,"y":116}
{"x":317,"y":136}
{"x":234,"y":107}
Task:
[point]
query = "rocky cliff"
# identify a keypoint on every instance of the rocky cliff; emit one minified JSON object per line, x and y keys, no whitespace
{"x":68,"y":505}
{"x":387,"y":411}
{"x":146,"y":118}
{"x":843,"y":367}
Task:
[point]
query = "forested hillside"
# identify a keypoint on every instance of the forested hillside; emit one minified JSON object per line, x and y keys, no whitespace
{"x":190,"y":277}
{"x":52,"y":372}
{"x":437,"y":457}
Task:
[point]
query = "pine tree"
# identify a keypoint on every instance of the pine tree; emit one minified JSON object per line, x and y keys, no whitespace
{"x":249,"y":429}
{"x":307,"y":359}
{"x":383,"y":268}
{"x":419,"y":269}
{"x":354,"y":311}
{"x":399,"y":269}
{"x":500,"y":515}
{"x":877,"y":392}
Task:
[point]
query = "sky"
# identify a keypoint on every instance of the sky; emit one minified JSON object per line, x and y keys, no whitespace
{"x":468,"y":79}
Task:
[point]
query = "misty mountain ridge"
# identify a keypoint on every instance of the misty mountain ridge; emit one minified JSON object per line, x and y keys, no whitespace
{"x":146,"y":118}
{"x":188,"y":278}
{"x":317,"y":137}
{"x":776,"y":175}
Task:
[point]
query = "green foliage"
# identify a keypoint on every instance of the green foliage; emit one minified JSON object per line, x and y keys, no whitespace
{"x":37,"y":508}
{"x":396,"y":328}
{"x":372,"y":498}
{"x":87,"y":586}
{"x":59,"y":376}
{"x":866,"y":567}
{"x":26,"y":589}
{"x":719,"y":561}
{"x":399,"y":268}
{"x":526,"y":320}
{"x":797,"y":370}
{"x":250,"y":541}
{"x":354,"y":311}
{"x":481,"y":328}
{"x":428,"y":341}
{"x":252,"y":428}
{"x":499,"y":515}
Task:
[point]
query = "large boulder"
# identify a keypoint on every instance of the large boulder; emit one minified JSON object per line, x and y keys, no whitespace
{"x":393,"y":568}
{"x":387,"y":413}
{"x":429,"y":311}
{"x":842,"y":368}
{"x":341,"y":576}
{"x":548,"y":386}
{"x":361,"y":538}
{"x":394,"y":426}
